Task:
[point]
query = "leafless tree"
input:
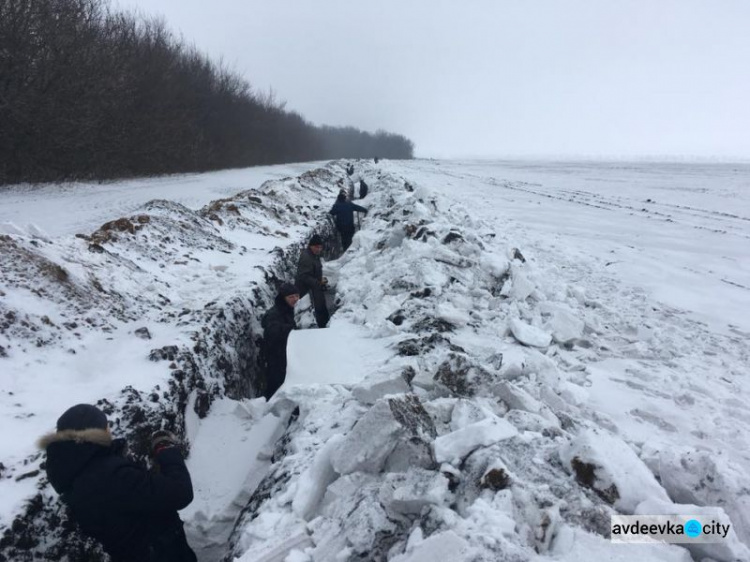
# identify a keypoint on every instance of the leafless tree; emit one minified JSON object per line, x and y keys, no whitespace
{"x":89,"y":92}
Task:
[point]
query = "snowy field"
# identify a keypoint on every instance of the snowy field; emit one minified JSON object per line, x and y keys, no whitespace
{"x":498,"y":323}
{"x":70,"y":208}
{"x":679,"y":231}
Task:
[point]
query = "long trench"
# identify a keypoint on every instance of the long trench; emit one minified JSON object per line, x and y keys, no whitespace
{"x":251,"y":372}
{"x":227,"y":341}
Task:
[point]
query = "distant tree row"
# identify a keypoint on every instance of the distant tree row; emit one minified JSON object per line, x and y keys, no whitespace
{"x":87,"y":92}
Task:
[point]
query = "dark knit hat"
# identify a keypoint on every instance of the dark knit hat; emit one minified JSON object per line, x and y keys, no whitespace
{"x":288,"y":289}
{"x":82,"y":416}
{"x":316,"y":240}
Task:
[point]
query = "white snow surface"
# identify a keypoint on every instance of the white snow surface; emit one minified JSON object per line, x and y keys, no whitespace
{"x":455,"y":446}
{"x":621,"y":340}
{"x":314,"y":358}
{"x":59,"y":209}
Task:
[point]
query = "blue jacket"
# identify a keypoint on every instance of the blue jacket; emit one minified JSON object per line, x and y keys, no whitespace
{"x":343,"y":214}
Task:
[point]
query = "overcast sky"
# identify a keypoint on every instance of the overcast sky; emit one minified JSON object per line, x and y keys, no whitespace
{"x":496,"y":77}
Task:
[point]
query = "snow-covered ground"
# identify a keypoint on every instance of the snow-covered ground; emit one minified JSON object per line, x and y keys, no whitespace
{"x":70,"y":208}
{"x":678,"y":231}
{"x":520,"y":350}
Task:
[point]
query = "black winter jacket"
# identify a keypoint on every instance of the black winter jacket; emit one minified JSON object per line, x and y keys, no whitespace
{"x":132,"y":511}
{"x":277,"y":323}
{"x":343,"y":213}
{"x":309,"y":272}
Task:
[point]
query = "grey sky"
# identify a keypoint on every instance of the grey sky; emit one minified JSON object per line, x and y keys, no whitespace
{"x":496,"y":77}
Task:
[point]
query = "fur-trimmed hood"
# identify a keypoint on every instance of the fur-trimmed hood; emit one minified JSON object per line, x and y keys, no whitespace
{"x":69,"y":451}
{"x":96,"y":436}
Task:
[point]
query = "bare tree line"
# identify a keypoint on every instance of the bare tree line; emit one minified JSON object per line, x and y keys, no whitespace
{"x":87,"y":92}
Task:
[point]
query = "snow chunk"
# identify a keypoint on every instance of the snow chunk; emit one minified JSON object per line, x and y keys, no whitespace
{"x":399,"y":425}
{"x":341,"y":354}
{"x":519,"y":287}
{"x":527,"y":421}
{"x":441,"y":410}
{"x":455,"y":446}
{"x":312,"y":483}
{"x":452,"y":314}
{"x":371,"y":391}
{"x":276,"y":549}
{"x":462,"y":375}
{"x":517,"y":398}
{"x":351,"y":514}
{"x":609,"y":466}
{"x":233,"y":431}
{"x":442,"y":546}
{"x":466,"y":412}
{"x":495,"y":517}
{"x":528,"y":334}
{"x":9,"y":227}
{"x":564,"y":325}
{"x":344,"y":488}
{"x":495,"y":265}
{"x":410,"y":492}
{"x":513,"y":362}
{"x":573,"y":393}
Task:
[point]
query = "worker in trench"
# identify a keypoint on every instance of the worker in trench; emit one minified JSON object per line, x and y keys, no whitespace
{"x":310,"y":279}
{"x":277,"y":324}
{"x":130,"y":510}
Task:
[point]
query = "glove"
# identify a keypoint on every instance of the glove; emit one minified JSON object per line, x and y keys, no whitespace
{"x":161,"y":440}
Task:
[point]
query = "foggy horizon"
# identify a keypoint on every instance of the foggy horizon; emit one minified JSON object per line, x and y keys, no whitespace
{"x":496,"y":79}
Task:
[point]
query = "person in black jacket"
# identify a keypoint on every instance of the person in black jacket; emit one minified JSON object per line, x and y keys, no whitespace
{"x":309,"y":279}
{"x":130,"y":510}
{"x":277,"y":323}
{"x":343,"y":214}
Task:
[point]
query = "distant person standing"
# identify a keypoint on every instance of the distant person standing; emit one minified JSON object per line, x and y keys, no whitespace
{"x":277,"y":324}
{"x":310,"y":279}
{"x":346,"y":191}
{"x":130,"y":510}
{"x":343,"y":214}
